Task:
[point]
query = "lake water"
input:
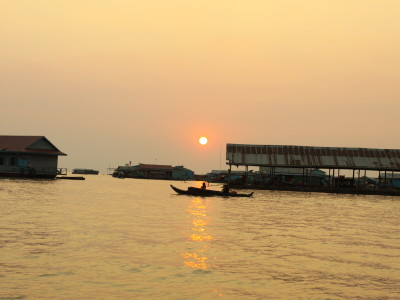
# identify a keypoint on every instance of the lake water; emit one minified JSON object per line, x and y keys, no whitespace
{"x":108,"y":238}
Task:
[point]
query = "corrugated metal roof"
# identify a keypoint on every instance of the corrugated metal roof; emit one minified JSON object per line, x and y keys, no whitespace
{"x":313,"y":157}
{"x":16,"y":143}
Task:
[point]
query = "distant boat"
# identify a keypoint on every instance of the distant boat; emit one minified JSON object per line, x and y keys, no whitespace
{"x":71,"y":177}
{"x":192,"y":191}
{"x":85,"y":171}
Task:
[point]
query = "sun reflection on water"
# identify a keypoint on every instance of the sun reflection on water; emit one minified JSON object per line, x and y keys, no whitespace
{"x":198,"y":236}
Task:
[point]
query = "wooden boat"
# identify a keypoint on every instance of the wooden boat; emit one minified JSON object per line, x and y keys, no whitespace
{"x":85,"y":171}
{"x":192,"y":191}
{"x":71,"y":177}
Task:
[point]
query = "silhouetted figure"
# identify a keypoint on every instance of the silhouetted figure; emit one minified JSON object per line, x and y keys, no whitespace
{"x":225,"y":188}
{"x":203,"y":186}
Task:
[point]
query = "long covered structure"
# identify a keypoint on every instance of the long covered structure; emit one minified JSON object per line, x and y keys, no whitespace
{"x":334,"y":159}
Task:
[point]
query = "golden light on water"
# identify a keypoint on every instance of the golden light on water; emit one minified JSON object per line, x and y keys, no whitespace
{"x":200,"y":223}
{"x":194,"y":260}
{"x":196,"y":213}
{"x":200,"y":237}
{"x":197,"y":237}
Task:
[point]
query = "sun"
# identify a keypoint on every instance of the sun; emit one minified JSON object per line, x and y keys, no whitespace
{"x":203,"y":140}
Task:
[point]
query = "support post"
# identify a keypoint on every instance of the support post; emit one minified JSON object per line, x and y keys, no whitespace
{"x":247,"y":175}
{"x":379,"y":179}
{"x":273,"y":176}
{"x":329,"y":177}
{"x":229,"y":175}
{"x":385,"y":181}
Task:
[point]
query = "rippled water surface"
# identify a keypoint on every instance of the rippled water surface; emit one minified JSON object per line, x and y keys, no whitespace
{"x":108,"y":238}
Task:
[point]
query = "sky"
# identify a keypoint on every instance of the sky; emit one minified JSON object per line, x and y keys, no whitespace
{"x":116,"y":81}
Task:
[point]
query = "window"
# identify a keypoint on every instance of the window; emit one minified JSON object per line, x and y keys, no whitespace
{"x":2,"y":161}
{"x":13,"y":161}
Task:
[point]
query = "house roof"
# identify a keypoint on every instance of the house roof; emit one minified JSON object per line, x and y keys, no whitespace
{"x":155,"y":167}
{"x":28,"y":144}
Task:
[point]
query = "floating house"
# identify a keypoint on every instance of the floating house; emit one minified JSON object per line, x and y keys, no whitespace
{"x":222,"y":175}
{"x":332,"y":159}
{"x":28,"y":156}
{"x":293,"y":176}
{"x":392,"y":181}
{"x":282,"y":176}
{"x":150,"y":171}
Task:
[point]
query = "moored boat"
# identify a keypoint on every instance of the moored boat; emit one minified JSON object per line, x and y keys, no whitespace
{"x":71,"y":177}
{"x":192,"y":191}
{"x":85,"y":171}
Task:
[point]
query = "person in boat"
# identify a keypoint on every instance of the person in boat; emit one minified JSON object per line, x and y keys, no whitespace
{"x":203,"y":186}
{"x":225,"y":188}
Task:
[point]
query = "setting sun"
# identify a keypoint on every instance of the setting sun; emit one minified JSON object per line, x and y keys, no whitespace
{"x":203,"y":140}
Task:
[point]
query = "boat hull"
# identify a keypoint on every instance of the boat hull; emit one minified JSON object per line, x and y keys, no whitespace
{"x":192,"y":191}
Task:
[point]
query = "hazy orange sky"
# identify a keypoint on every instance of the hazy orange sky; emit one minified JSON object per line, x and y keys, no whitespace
{"x":113,"y":81}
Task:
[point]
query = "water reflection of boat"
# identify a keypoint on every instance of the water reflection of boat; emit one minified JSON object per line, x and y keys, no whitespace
{"x":193,"y":191}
